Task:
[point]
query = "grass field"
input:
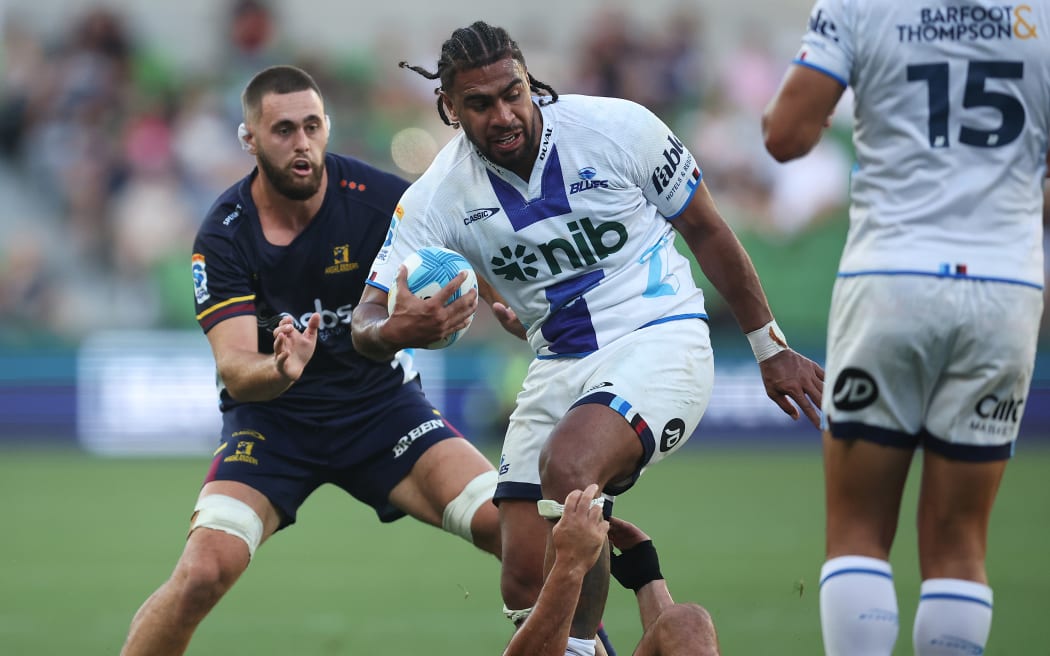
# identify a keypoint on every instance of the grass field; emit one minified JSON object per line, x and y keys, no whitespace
{"x":85,"y":540}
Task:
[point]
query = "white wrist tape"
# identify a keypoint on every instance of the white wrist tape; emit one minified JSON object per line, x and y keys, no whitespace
{"x":767,"y":341}
{"x":551,"y":509}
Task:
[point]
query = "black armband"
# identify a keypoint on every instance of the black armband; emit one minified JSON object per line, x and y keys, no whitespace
{"x":636,"y":566}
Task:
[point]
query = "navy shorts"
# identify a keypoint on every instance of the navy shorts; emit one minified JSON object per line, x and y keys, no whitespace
{"x":287,"y":456}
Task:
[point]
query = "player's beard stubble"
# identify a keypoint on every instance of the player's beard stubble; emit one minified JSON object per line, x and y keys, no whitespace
{"x":287,"y":183}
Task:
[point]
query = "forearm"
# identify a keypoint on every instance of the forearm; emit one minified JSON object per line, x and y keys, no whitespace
{"x":546,"y":631}
{"x":653,"y":598}
{"x":252,"y":377}
{"x":729,"y":268}
{"x":365,"y":327}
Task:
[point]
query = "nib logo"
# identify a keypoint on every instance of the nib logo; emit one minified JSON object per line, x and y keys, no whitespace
{"x":586,"y":244}
{"x":514,"y":265}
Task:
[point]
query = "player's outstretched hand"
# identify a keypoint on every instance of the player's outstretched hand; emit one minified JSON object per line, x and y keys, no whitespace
{"x":416,"y":322}
{"x":789,"y":377}
{"x":580,"y":533}
{"x":293,"y":349}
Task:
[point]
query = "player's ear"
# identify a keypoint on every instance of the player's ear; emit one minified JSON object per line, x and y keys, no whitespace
{"x":246,"y":138}
{"x":450,"y":111}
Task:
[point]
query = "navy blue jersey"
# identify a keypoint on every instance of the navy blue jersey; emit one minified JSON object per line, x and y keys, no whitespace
{"x":237,"y":272}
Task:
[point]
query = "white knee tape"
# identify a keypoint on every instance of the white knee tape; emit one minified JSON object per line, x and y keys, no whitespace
{"x":460,"y":511}
{"x":229,"y":515}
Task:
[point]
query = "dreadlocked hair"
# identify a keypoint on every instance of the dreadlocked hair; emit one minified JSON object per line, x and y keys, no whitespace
{"x":473,"y":47}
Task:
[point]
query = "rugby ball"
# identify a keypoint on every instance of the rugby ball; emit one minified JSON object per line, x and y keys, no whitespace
{"x":429,"y":269}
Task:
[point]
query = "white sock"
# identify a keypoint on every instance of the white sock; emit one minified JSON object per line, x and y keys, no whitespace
{"x":954,"y":618}
{"x":579,"y":647}
{"x":858,"y":607}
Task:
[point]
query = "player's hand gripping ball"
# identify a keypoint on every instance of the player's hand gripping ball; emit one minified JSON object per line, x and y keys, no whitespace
{"x":429,"y":269}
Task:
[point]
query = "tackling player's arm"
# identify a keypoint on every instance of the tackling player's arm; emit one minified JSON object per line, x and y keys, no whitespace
{"x":415,"y":322}
{"x":796,"y":117}
{"x":577,"y":538}
{"x":787,"y":375}
{"x":253,"y":376}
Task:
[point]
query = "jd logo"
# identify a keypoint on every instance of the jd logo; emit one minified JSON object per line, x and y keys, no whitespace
{"x":854,"y":389}
{"x":673,"y":433}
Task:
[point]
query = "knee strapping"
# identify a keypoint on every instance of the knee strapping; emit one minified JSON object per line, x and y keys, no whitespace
{"x":229,"y":515}
{"x":460,"y":511}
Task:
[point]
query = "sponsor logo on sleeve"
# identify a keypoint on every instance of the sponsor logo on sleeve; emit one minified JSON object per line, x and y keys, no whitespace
{"x":819,"y":23}
{"x":200,"y":278}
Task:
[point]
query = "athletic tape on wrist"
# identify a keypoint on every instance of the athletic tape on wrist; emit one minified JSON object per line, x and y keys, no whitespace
{"x":767,"y":341}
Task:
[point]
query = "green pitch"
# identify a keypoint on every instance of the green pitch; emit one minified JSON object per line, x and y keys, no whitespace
{"x":86,"y":540}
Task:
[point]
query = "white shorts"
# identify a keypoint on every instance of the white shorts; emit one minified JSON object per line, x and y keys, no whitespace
{"x":658,"y":378}
{"x":941,"y":362}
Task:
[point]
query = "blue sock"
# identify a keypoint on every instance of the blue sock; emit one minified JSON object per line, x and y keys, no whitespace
{"x":604,"y":637}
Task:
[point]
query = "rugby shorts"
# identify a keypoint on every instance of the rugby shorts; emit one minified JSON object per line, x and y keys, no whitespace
{"x":940,"y":362}
{"x":658,"y":378}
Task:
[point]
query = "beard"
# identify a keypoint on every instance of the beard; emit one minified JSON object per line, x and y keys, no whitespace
{"x":524,"y":155}
{"x":288,"y":184}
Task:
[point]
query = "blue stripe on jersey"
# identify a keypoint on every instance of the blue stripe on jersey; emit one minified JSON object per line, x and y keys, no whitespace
{"x":552,"y":202}
{"x":936,"y":274}
{"x":802,"y":62}
{"x":569,"y":328}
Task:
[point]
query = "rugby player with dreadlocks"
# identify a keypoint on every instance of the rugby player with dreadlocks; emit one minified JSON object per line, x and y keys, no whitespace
{"x":569,"y":206}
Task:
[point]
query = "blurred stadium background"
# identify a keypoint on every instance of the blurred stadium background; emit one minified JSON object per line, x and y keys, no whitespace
{"x":117,"y":124}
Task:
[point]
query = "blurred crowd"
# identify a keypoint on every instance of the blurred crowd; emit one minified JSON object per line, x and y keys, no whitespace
{"x":110,"y":155}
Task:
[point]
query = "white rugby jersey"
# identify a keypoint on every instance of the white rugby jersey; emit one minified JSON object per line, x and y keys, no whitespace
{"x":951,"y":117}
{"x":584,"y":251}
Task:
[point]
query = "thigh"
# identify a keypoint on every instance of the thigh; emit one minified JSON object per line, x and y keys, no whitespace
{"x":262,"y":450}
{"x":405,"y":444}
{"x":955,"y":506}
{"x":652,"y":386}
{"x":864,"y":482}
{"x":437,"y":477}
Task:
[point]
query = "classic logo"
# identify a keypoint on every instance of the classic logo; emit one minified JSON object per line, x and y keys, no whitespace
{"x":480,"y":214}
{"x":673,"y":433}
{"x":585,"y":245}
{"x":854,"y":389}
{"x":598,"y":386}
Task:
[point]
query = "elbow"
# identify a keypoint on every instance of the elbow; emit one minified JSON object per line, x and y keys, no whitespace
{"x":784,"y":142}
{"x":784,"y":146}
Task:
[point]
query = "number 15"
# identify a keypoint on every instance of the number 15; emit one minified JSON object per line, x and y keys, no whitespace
{"x":975,"y":95}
